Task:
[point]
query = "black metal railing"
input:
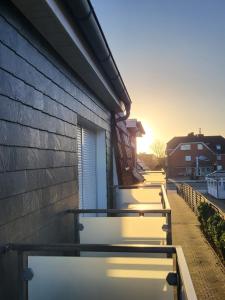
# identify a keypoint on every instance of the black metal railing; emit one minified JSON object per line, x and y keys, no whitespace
{"x":194,"y":198}
{"x":180,"y":278}
{"x":115,"y":212}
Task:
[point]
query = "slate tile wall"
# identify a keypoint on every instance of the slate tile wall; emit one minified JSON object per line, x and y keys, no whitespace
{"x":40,"y":100}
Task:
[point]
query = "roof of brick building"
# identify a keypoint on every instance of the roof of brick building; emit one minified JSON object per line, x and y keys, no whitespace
{"x":210,"y":141}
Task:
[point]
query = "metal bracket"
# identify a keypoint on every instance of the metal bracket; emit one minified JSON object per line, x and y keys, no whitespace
{"x":172,"y":278}
{"x":27,"y":274}
{"x":165,"y":227}
{"x":80,"y":227}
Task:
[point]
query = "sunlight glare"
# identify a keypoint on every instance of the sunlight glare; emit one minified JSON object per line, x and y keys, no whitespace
{"x":144,"y":143}
{"x":135,"y":273}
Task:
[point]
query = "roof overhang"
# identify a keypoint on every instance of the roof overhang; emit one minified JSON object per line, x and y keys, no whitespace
{"x":52,"y":20}
{"x":135,"y":126}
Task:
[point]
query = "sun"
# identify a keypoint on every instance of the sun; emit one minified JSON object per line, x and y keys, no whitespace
{"x":144,"y":143}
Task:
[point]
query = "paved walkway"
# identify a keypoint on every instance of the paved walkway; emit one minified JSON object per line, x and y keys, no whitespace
{"x":206,"y":270}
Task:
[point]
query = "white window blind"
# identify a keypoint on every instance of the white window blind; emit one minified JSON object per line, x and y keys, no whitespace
{"x":86,"y":140}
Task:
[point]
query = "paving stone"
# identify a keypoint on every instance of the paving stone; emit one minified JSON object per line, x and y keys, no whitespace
{"x":207,"y":272}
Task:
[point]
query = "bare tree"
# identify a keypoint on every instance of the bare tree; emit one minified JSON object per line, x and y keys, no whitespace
{"x":158,"y":148}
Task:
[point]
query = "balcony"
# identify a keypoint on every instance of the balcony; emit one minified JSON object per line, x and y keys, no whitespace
{"x":120,"y":253}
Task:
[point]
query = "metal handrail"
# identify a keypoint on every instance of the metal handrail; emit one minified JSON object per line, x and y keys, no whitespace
{"x":117,"y":211}
{"x":137,"y":186}
{"x":187,"y":286}
{"x":183,"y":282}
{"x":153,"y":171}
{"x":165,"y":198}
{"x":68,"y":247}
{"x":163,"y":191}
{"x":166,"y":211}
{"x":195,"y":198}
{"x":166,"y":205}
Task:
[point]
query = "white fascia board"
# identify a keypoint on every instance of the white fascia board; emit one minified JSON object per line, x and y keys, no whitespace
{"x":177,"y":147}
{"x":51,"y":19}
{"x":131,"y":123}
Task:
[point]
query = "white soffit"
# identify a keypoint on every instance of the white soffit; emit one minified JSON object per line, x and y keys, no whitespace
{"x":51,"y":19}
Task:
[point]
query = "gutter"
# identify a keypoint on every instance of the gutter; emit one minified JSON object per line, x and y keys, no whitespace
{"x":86,"y":19}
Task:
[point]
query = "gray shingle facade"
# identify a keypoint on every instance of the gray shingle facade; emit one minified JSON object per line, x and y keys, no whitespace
{"x":41,"y":102}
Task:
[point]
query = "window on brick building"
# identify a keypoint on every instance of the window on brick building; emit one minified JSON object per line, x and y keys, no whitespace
{"x":185,"y":147}
{"x":188,"y":158}
{"x":200,"y":147}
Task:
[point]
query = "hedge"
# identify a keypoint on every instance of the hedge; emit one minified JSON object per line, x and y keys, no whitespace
{"x":213,"y":226}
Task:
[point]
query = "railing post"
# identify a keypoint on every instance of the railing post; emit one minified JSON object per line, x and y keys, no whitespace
{"x":22,"y":286}
{"x":189,"y":196}
{"x":169,"y":232}
{"x":76,"y":231}
{"x":76,"y":228}
{"x":192,"y":199}
{"x":198,"y":202}
{"x":195,"y":202}
{"x":179,"y":283}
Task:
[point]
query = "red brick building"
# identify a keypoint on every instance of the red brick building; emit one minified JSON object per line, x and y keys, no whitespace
{"x":195,"y":155}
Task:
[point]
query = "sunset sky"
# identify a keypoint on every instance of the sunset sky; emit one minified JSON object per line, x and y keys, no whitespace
{"x":171,"y":55}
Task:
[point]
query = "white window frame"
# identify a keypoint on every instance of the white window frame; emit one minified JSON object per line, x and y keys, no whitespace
{"x":187,"y":158}
{"x":185,"y":147}
{"x":200,"y":147}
